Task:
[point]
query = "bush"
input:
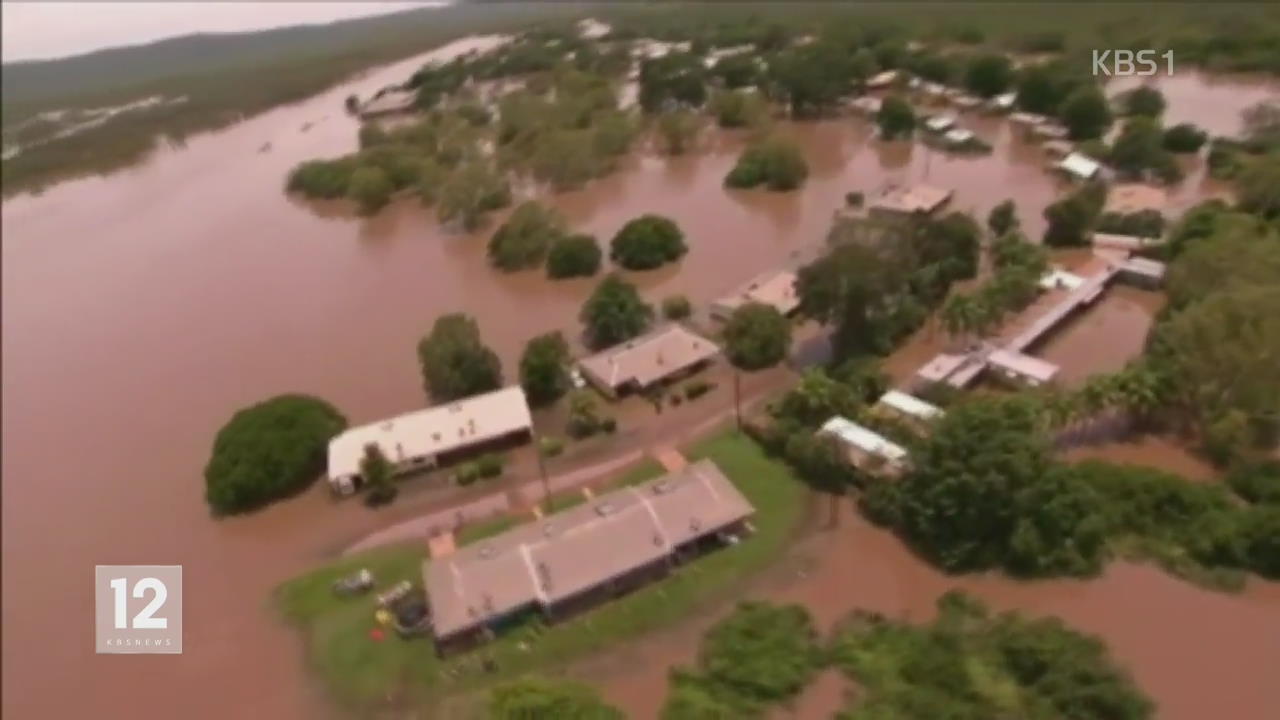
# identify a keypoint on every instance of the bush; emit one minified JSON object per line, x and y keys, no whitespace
{"x":489,"y":465}
{"x":609,"y":426}
{"x":854,"y":199}
{"x":573,"y":256}
{"x":269,"y":451}
{"x":896,"y":118}
{"x":1184,"y":138}
{"x":737,"y":109}
{"x":522,"y":241}
{"x":1144,"y":223}
{"x":322,"y":179}
{"x":697,"y":389}
{"x":1257,"y":483}
{"x":676,"y":307}
{"x":584,"y":414}
{"x":550,"y":446}
{"x":777,"y":163}
{"x":648,"y":242}
{"x":380,"y":495}
{"x":466,"y":473}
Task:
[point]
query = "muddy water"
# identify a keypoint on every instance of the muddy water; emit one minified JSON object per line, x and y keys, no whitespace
{"x":140,"y":310}
{"x":1102,"y":337}
{"x":1198,"y":654}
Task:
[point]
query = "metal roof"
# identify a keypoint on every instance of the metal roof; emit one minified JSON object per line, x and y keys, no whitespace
{"x":649,"y":358}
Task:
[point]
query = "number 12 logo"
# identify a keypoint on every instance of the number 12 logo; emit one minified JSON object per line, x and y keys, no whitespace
{"x":138,"y":608}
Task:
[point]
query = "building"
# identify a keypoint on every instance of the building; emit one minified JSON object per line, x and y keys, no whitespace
{"x":959,"y":137}
{"x":667,"y":353}
{"x":1049,"y":131}
{"x":966,"y":102}
{"x":572,"y":560}
{"x":422,"y":439}
{"x":776,"y":289}
{"x":1130,"y":198}
{"x":866,"y":104}
{"x":1021,"y":368}
{"x":388,"y":102}
{"x":909,"y":406}
{"x":866,"y":449}
{"x":1145,"y":273}
{"x":1003,"y":102}
{"x":1079,"y":166}
{"x":1058,"y":148}
{"x":915,"y":200}
{"x":941,"y":367}
{"x":939,"y":123}
{"x":1059,"y":279}
{"x":1027,"y":120}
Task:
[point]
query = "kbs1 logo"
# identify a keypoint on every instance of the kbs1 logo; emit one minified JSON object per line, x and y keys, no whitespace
{"x":138,"y":608}
{"x":1121,"y":63}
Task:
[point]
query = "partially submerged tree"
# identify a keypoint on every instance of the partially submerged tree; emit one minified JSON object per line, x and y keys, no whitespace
{"x":544,"y":369}
{"x":455,"y":362}
{"x":537,"y":698}
{"x":647,"y":242}
{"x":269,"y":451}
{"x":757,"y":336}
{"x":523,"y":240}
{"x":895,"y":118}
{"x":573,"y":256}
{"x":614,"y":313}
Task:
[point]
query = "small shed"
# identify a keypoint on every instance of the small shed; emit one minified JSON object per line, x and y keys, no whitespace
{"x":1079,"y":166}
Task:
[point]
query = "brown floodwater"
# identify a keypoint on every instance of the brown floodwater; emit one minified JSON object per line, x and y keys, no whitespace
{"x":141,"y":309}
{"x":1103,"y":336}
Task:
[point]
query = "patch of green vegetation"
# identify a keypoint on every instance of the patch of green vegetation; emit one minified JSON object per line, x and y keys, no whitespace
{"x":363,"y":674}
{"x":475,"y":532}
{"x":646,"y":469}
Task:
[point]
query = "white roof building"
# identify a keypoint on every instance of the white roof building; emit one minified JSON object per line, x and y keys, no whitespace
{"x":1079,"y":166}
{"x":881,"y":80}
{"x":1049,"y":131}
{"x":776,"y":289}
{"x":418,"y":438}
{"x":916,"y":199}
{"x":1027,"y":119}
{"x":1061,"y":279}
{"x":864,"y":442}
{"x":910,"y":405}
{"x":958,"y":136}
{"x":645,"y":360}
{"x":1003,"y":101}
{"x":1022,"y":367}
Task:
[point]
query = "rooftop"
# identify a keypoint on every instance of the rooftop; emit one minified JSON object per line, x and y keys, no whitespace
{"x":389,"y":102}
{"x":1031,"y":368}
{"x":883,"y":79}
{"x":958,"y":136}
{"x":425,"y":433}
{"x":938,"y":123}
{"x":776,"y":289}
{"x":649,"y":358}
{"x":1135,"y":197}
{"x":1079,"y":165}
{"x":861,"y":438}
{"x":909,"y":405}
{"x":913,"y":199}
{"x":555,"y":558}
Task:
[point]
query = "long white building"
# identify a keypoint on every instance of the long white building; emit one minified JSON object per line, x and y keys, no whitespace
{"x":418,"y":439}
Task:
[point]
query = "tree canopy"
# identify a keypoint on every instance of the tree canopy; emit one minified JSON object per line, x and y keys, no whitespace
{"x":989,"y":75}
{"x":757,"y":336}
{"x":775,"y":162}
{"x":573,"y":256}
{"x":470,"y":193}
{"x":544,"y":368}
{"x":1086,"y":113}
{"x":455,"y":362}
{"x":647,"y":242}
{"x":522,"y":241}
{"x":538,"y":698}
{"x":1144,"y":100}
{"x":268,"y":451}
{"x":614,"y":313}
{"x":895,"y":118}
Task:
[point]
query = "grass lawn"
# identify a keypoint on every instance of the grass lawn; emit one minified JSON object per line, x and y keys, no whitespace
{"x":364,"y":674}
{"x":646,"y":469}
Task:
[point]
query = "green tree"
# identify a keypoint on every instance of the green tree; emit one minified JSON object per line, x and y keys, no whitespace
{"x":566,"y":159}
{"x":817,"y":398}
{"x":738,"y":109}
{"x":370,"y":189}
{"x":455,"y":362}
{"x":1060,"y":529}
{"x":776,"y":162}
{"x":1043,"y":87}
{"x":763,"y":652}
{"x":1086,"y":113}
{"x":676,"y":307}
{"x":958,"y":501}
{"x":678,"y":129}
{"x":544,"y":369}
{"x":674,"y":80}
{"x":1258,"y":187}
{"x":323,"y":179}
{"x":1071,"y":218}
{"x":1138,"y":147}
{"x":614,"y":313}
{"x":812,"y":78}
{"x":522,"y":241}
{"x":377,"y":473}
{"x":1144,"y":100}
{"x":1003,"y":218}
{"x":647,"y":242}
{"x":1184,"y":138}
{"x":736,"y":71}
{"x":573,"y":256}
{"x":470,"y":193}
{"x":757,"y":336}
{"x":989,"y":75}
{"x":269,"y":451}
{"x":537,"y":698}
{"x":895,"y":118}
{"x":694,"y":697}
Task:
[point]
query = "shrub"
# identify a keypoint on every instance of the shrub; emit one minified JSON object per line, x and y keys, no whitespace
{"x":522,"y":241}
{"x":609,"y":425}
{"x":380,"y":495}
{"x":550,"y":446}
{"x":1144,"y":223}
{"x":489,"y":465}
{"x":584,"y":414}
{"x":269,"y":451}
{"x":697,"y":389}
{"x":675,"y":400}
{"x":854,"y":199}
{"x":573,"y":256}
{"x":777,"y":163}
{"x":466,"y":473}
{"x":676,"y":307}
{"x":648,"y":242}
{"x":1257,"y":483}
{"x":1184,"y":138}
{"x":896,"y":118}
{"x":323,"y":179}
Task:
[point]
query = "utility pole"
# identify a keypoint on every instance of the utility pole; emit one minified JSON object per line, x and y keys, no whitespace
{"x":737,"y":397}
{"x":542,"y":471}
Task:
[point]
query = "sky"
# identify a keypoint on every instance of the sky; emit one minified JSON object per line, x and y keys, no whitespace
{"x":38,"y":29}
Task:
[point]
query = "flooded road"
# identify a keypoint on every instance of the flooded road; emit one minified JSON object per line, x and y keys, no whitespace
{"x":142,"y":309}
